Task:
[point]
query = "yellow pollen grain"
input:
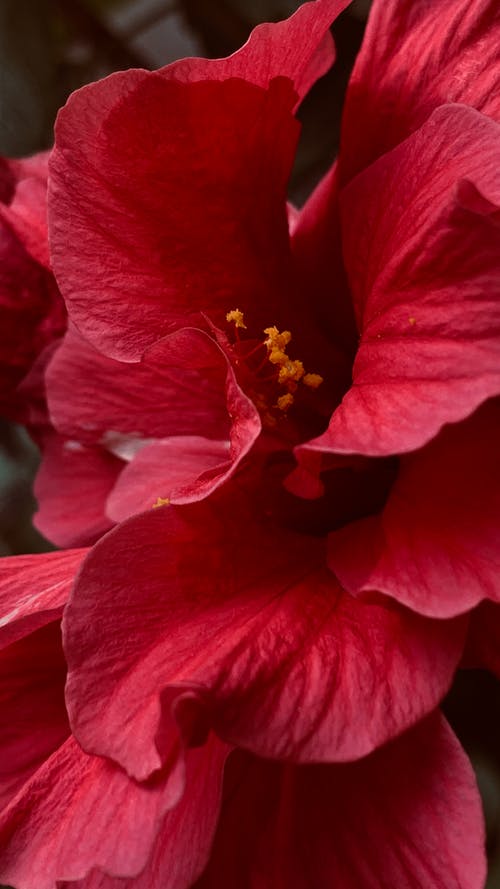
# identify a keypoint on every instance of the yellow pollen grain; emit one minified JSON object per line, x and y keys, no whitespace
{"x":312,"y":380}
{"x":292,"y":370}
{"x":162,"y":501}
{"x":412,"y":321}
{"x":237,"y":318}
{"x":276,"y":340}
{"x":284,"y":402}
{"x":276,"y":356}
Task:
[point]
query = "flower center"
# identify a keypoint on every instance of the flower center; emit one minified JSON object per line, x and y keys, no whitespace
{"x":277,"y":379}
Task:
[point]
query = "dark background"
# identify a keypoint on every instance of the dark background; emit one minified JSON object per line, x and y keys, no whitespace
{"x":49,"y":48}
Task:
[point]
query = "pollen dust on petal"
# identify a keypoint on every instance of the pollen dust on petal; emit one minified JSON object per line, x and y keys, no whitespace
{"x":161,"y":501}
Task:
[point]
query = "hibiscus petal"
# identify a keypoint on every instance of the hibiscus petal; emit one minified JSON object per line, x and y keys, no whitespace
{"x":318,"y":263}
{"x":31,"y":315}
{"x":168,"y":469}
{"x":34,"y":721}
{"x":25,"y":206}
{"x":299,"y":48}
{"x":435,"y":545}
{"x":33,"y":591}
{"x":71,"y":487}
{"x":179,"y":388}
{"x":80,"y":812}
{"x":184,"y":389}
{"x":183,"y":844}
{"x":421,"y":244}
{"x":416,"y":56}
{"x":407,"y":816}
{"x":167,"y":222}
{"x":285,"y":663}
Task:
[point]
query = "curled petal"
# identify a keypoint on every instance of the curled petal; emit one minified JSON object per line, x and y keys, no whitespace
{"x":434,"y":547}
{"x":80,"y":812}
{"x":282,"y":661}
{"x":421,"y":243}
{"x":416,"y":56}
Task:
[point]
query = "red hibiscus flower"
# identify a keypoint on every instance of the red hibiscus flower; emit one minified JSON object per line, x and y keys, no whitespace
{"x":243,"y":613}
{"x":32,"y":313}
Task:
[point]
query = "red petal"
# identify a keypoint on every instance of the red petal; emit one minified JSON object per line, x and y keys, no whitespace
{"x":78,"y":812}
{"x":25,"y":211}
{"x":416,"y":56}
{"x":33,"y":591}
{"x":421,"y":247}
{"x":435,"y":545}
{"x":68,"y":470}
{"x":31,"y":315}
{"x":319,"y":265}
{"x":183,"y":844}
{"x":167,"y":222}
{"x":288,"y":665}
{"x":179,"y":418}
{"x":407,"y":816}
{"x":34,"y":721}
{"x":179,"y":388}
{"x":173,"y":469}
{"x":299,"y":48}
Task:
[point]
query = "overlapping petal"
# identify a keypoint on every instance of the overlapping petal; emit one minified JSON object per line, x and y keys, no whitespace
{"x":434,"y":547}
{"x":424,"y":219}
{"x":416,"y":56}
{"x":34,"y":721}
{"x":72,"y":486}
{"x":23,"y":203}
{"x":182,"y":846}
{"x":407,"y":816}
{"x":174,"y":469}
{"x":31,"y":316}
{"x":299,"y":48}
{"x":34,"y":590}
{"x":80,"y":812}
{"x":173,"y":226}
{"x":221,"y":238}
{"x":179,"y":388}
{"x":317,"y":257}
{"x":175,"y":425}
{"x":246,"y":617}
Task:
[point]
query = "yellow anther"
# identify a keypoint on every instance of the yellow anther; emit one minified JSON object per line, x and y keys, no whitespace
{"x":162,"y":501}
{"x":284,"y":402}
{"x":412,"y":321}
{"x":289,"y":372}
{"x":276,"y":340}
{"x":276,"y":356}
{"x":237,"y":318}
{"x":292,"y":370}
{"x":312,"y":380}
